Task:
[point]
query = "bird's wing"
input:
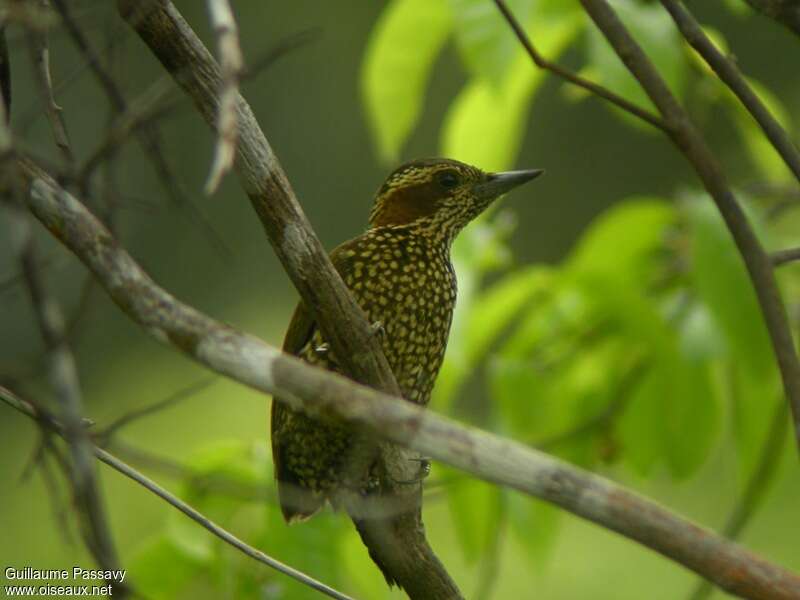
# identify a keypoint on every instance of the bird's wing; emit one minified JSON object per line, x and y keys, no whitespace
{"x":302,"y":329}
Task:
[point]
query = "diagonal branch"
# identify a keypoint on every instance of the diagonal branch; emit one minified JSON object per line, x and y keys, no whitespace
{"x":689,"y":141}
{"x":786,"y":12}
{"x":327,"y":395}
{"x":399,"y":546}
{"x":590,"y":86}
{"x":757,"y":485}
{"x":728,"y":72}
{"x":112,"y":461}
{"x":784,"y":257}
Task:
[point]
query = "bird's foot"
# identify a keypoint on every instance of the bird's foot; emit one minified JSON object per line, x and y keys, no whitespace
{"x":322,"y":349}
{"x":422,"y":474}
{"x":377,"y":329}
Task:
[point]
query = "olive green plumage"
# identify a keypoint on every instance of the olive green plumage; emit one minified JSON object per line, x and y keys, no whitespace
{"x":400,"y":273}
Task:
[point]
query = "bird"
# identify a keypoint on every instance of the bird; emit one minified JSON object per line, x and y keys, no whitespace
{"x":400,"y":273}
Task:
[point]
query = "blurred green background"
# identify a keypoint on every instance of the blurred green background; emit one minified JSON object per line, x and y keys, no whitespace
{"x":607,"y":287}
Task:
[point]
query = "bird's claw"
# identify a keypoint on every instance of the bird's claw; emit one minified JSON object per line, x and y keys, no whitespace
{"x":322,"y":349}
{"x":424,"y":471}
{"x":377,"y":328}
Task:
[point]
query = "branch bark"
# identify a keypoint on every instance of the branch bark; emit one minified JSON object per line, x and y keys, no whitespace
{"x":327,"y":395}
{"x":576,"y":80}
{"x":689,"y":141}
{"x":786,"y":12}
{"x":729,"y":73}
{"x":398,"y":545}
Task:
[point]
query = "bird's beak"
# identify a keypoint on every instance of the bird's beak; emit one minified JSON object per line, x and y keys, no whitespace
{"x":497,"y":184}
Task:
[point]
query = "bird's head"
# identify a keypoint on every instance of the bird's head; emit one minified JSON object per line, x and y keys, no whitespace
{"x":440,"y":195}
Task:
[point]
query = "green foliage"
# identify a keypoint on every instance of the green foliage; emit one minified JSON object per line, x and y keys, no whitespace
{"x":654,"y":30}
{"x":644,"y":347}
{"x":395,"y":72}
{"x":486,"y":122}
{"x":483,"y":39}
{"x":231,"y":482}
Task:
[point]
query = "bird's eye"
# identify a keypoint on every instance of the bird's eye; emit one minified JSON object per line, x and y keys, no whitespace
{"x":448,"y":179}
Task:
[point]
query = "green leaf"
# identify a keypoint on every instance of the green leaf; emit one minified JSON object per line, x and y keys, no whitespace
{"x":523,"y":399}
{"x":753,"y":407}
{"x":485,"y":40}
{"x":161,"y":569}
{"x":474,"y":509}
{"x":535,"y":524}
{"x":638,"y":429}
{"x":652,"y":27}
{"x":762,"y":152}
{"x":689,"y":413}
{"x":314,"y":548}
{"x":721,"y":281}
{"x":622,"y":242}
{"x":397,"y":63}
{"x":485,"y":124}
{"x":489,"y":315}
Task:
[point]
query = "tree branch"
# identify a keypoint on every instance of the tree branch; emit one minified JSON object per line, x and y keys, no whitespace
{"x":691,"y":144}
{"x":755,"y":490}
{"x":784,"y":257}
{"x":66,"y":387}
{"x":112,"y":461}
{"x":786,"y":12}
{"x":327,"y":395}
{"x":577,"y":80}
{"x":728,"y":72}
{"x":399,"y":547}
{"x":231,"y":63}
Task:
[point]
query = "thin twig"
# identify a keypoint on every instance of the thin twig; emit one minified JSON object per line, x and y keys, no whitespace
{"x":40,"y":56}
{"x":687,"y":138}
{"x":112,"y":461}
{"x":138,"y":114}
{"x":182,"y":394}
{"x":66,"y":385}
{"x":728,"y":72}
{"x":784,"y":257}
{"x":231,"y":64}
{"x":327,"y":395}
{"x":148,"y":136}
{"x":756,"y":487}
{"x":785,"y":12}
{"x":594,"y":88}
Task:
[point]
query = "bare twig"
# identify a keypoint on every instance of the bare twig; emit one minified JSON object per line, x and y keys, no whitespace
{"x":786,"y":12}
{"x":138,"y":114}
{"x":784,"y":257}
{"x":148,"y":136}
{"x":64,"y":378}
{"x":231,"y":64}
{"x":182,"y":394}
{"x":328,"y":395}
{"x":40,"y":56}
{"x":594,"y":88}
{"x":728,"y":71}
{"x":112,"y":461}
{"x":756,"y":486}
{"x":693,"y":146}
